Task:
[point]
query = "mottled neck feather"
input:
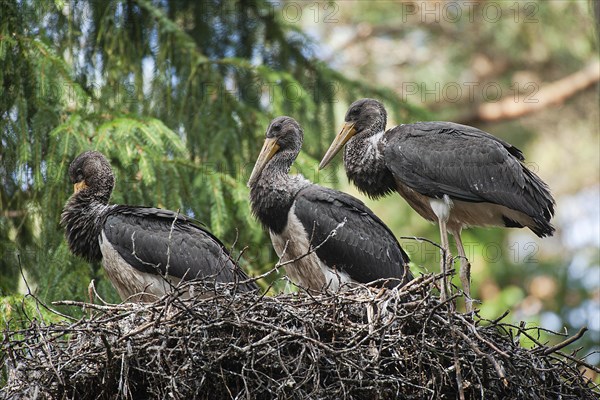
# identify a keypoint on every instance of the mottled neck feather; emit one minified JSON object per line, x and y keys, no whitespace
{"x":273,"y":193}
{"x":83,"y":217}
{"x":365,"y":165}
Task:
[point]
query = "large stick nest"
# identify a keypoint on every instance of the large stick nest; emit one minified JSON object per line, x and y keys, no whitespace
{"x":298,"y":346}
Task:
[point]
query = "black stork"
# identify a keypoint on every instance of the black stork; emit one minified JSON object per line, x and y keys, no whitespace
{"x":332,"y":238}
{"x":143,"y":250}
{"x":456,"y":175}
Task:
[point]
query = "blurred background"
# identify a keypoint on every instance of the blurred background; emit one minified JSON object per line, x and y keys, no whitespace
{"x":178,"y":95}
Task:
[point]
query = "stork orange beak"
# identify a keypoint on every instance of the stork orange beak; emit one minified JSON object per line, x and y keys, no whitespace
{"x":270,"y":147}
{"x":340,"y":140}
{"x":79,"y":186}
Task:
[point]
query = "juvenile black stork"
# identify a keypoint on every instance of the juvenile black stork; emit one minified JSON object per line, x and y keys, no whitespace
{"x":143,"y":250}
{"x":301,"y":217}
{"x":454,"y":174}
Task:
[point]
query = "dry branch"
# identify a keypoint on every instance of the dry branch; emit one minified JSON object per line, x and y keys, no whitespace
{"x":548,"y":95}
{"x":293,"y":346}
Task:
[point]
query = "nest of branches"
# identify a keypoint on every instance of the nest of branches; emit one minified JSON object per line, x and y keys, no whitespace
{"x":361,"y":343}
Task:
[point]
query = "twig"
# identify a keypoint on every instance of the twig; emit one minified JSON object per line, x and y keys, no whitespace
{"x":564,"y":343}
{"x":215,"y":345}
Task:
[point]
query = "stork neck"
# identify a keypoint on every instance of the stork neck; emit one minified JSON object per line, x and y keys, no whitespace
{"x":273,"y":194}
{"x":365,"y":164}
{"x":83,"y":217}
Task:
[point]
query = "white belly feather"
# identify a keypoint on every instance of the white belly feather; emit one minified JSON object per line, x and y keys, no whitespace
{"x":132,"y":284}
{"x":461,"y":214}
{"x":309,"y":271}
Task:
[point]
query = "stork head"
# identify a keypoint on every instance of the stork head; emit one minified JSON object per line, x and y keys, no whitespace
{"x":282,"y":144}
{"x":364,"y":118}
{"x":90,"y":174}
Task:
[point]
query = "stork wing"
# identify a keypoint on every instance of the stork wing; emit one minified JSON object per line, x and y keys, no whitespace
{"x":162,"y":242}
{"x":438,"y":158}
{"x":362,"y":246}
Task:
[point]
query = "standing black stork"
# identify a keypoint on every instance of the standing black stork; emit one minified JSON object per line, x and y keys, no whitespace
{"x":454,"y":174}
{"x":331,"y":237}
{"x":143,"y":250}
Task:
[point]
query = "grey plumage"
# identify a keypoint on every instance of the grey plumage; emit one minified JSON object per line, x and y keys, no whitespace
{"x":453,"y":174}
{"x":301,"y":215}
{"x":147,"y":245}
{"x":467,"y":164}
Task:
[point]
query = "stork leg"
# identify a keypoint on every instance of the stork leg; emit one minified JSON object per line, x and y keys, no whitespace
{"x":441,"y":208}
{"x":371,"y":316}
{"x":444,"y":292}
{"x":465,"y":272}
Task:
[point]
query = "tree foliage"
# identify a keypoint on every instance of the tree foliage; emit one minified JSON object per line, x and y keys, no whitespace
{"x":177,"y":94}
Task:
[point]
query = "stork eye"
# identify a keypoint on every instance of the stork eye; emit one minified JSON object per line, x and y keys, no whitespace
{"x":276,"y":127}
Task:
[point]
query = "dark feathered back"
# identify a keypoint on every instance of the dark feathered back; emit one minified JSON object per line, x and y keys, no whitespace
{"x":150,"y":240}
